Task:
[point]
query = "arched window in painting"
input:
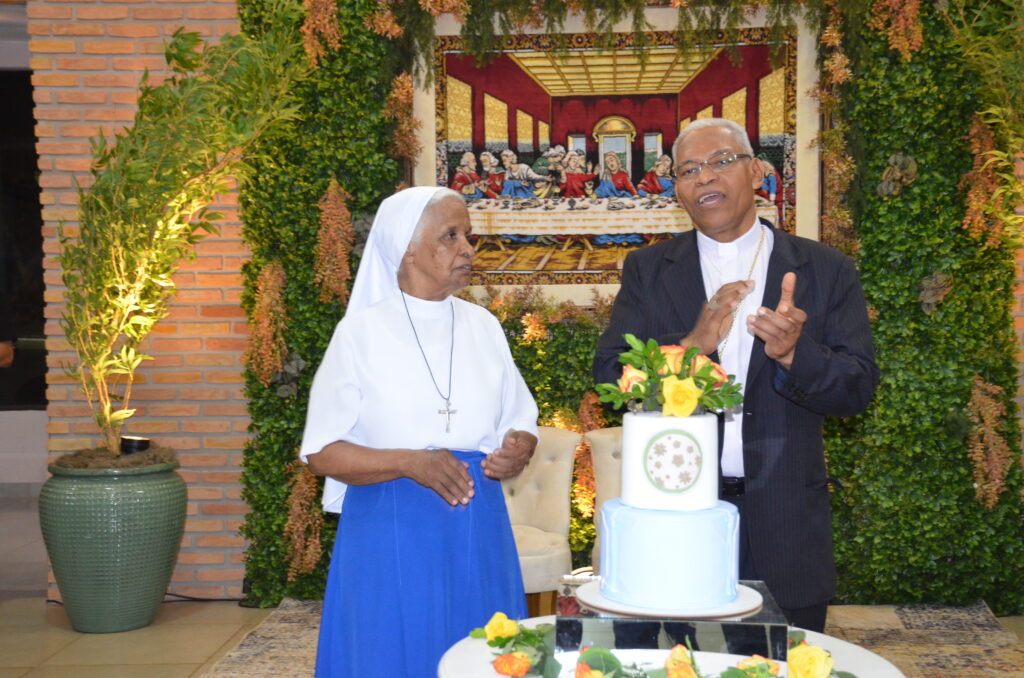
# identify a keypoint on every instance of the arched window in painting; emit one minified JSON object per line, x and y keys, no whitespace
{"x":615,"y":134}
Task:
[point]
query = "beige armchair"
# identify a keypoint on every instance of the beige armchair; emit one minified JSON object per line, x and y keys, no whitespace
{"x":606,"y":451}
{"x":538,"y":506}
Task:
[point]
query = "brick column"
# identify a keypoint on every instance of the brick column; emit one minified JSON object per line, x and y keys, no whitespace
{"x":87,"y":60}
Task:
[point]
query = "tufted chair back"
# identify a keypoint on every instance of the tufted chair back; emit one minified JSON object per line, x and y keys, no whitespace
{"x":538,"y":506}
{"x":606,"y":451}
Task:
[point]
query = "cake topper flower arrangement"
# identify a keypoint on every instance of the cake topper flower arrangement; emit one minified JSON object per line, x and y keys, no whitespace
{"x":674,"y":379}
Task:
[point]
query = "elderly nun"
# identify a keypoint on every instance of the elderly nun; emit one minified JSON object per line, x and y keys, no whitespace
{"x":415,"y":415}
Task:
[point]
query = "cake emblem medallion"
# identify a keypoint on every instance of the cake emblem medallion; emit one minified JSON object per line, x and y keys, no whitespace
{"x":673,"y":461}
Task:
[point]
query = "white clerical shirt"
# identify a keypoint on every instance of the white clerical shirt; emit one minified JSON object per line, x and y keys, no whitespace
{"x":373,"y":387}
{"x":721,"y":263}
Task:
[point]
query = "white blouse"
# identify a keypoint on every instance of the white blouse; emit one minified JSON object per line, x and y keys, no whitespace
{"x":373,"y":387}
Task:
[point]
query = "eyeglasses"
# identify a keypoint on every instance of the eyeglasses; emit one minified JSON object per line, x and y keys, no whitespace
{"x":719,"y":163}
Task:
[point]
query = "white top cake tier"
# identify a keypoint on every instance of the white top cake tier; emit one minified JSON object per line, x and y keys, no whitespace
{"x":669,"y":463}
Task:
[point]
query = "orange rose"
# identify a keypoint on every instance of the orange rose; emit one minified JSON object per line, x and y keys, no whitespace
{"x":678,"y":663}
{"x":512,"y":664}
{"x":720,"y":376}
{"x":757,"y":660}
{"x":631,"y":376}
{"x":584,"y":671}
{"x":673,"y":358}
{"x":701,"y":360}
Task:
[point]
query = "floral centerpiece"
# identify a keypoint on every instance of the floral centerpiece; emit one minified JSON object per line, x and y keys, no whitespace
{"x":677,"y":380}
{"x":530,"y":652}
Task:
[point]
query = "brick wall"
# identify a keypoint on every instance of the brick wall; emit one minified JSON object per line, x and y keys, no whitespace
{"x":87,"y":60}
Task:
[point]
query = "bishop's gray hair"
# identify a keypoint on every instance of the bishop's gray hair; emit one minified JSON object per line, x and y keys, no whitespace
{"x":737,"y":132}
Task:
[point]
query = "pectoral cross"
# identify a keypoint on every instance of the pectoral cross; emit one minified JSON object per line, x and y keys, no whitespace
{"x":447,"y":412}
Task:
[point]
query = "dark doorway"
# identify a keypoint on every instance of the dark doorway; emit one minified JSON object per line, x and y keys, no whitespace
{"x":23,"y":384}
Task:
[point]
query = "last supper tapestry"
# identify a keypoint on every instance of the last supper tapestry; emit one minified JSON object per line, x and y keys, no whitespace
{"x":563,"y":151}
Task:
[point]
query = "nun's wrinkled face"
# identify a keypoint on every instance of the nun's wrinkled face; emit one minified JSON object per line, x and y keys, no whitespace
{"x":439,"y":259}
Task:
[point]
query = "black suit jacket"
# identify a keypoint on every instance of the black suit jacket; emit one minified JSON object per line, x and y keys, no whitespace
{"x":787,"y":510}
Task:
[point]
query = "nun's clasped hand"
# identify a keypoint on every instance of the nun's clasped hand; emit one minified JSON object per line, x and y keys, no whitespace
{"x":512,"y":457}
{"x":443,"y":473}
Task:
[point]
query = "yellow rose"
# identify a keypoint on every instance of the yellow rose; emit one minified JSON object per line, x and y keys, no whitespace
{"x":808,"y":661}
{"x":512,"y":664}
{"x":681,"y":396}
{"x":501,"y":626}
{"x":630,"y":377}
{"x":757,"y":660}
{"x":673,"y":358}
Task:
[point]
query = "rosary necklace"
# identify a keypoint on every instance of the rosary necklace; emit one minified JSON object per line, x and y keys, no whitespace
{"x":447,"y":411}
{"x":735,"y":312}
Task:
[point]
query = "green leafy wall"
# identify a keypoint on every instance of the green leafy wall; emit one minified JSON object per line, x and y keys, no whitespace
{"x":908,"y":527}
{"x":343,"y":135}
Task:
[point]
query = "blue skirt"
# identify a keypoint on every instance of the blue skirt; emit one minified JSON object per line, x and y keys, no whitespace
{"x":412,"y":575}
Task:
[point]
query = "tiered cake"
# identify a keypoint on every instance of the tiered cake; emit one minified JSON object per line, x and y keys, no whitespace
{"x":668,"y":542}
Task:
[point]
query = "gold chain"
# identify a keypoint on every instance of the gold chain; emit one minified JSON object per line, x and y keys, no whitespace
{"x":735,"y":312}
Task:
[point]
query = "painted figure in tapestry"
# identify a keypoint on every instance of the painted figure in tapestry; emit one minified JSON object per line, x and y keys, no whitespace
{"x":771,"y":187}
{"x":520,"y":179}
{"x":550,"y":165}
{"x":658,"y":180}
{"x":615,"y":181}
{"x":492,"y":174}
{"x":574,"y":182}
{"x":466,"y":181}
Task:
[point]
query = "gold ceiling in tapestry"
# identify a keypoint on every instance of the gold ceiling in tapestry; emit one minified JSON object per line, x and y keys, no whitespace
{"x":595,"y":71}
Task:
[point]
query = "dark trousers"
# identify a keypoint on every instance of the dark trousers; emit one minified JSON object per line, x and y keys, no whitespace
{"x":812,"y":617}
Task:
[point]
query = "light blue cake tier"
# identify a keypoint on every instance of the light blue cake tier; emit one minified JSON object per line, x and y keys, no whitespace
{"x":678,"y":560}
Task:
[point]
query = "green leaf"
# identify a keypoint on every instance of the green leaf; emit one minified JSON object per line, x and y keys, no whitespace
{"x":118,"y":416}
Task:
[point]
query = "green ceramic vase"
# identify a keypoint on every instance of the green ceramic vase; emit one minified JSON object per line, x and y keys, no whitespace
{"x":113,"y":536}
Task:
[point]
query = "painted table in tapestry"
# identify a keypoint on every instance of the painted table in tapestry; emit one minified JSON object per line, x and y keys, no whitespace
{"x":587,"y":217}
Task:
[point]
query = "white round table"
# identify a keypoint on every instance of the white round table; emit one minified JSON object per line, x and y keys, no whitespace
{"x":471,"y":657}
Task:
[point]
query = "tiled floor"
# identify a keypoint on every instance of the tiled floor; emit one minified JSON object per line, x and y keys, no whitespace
{"x":36,"y":640}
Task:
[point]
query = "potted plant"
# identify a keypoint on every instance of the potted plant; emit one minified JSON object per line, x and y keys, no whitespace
{"x":112,"y":522}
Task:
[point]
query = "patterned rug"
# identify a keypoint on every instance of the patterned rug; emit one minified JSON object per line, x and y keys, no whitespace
{"x":923,"y":641}
{"x":928,"y":641}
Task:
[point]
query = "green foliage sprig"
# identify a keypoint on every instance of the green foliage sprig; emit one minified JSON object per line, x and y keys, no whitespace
{"x":148,"y":202}
{"x":990,"y":38}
